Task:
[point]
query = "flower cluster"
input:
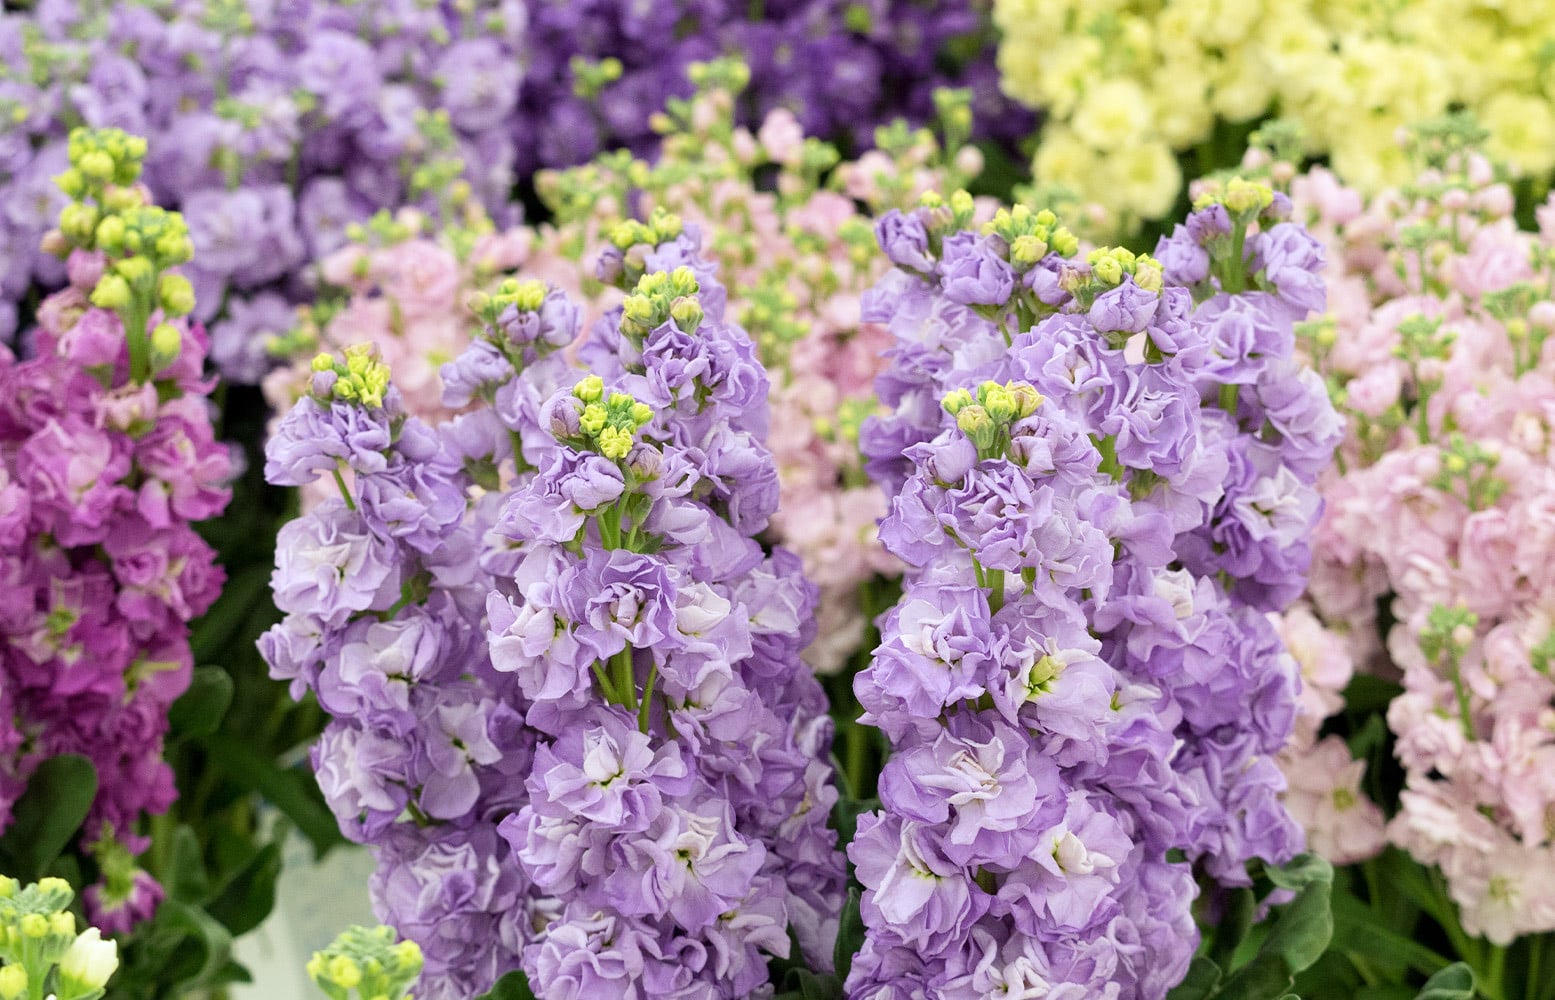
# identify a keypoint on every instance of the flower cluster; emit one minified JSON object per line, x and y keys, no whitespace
{"x":1440,"y":511}
{"x":796,"y":259}
{"x":404,"y":282}
{"x":274,"y":126}
{"x":271,"y":126}
{"x":1103,"y":480}
{"x":841,"y":67}
{"x":369,"y":961}
{"x":107,"y":458}
{"x":1127,"y":85}
{"x":42,"y":952}
{"x":569,"y":710}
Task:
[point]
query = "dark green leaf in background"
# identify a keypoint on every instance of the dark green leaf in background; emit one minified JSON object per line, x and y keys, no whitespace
{"x":47,"y":816}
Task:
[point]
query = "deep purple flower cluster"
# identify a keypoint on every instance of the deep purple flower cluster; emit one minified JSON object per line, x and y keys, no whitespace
{"x":841,"y":66}
{"x":273,"y":126}
{"x":1100,"y":488}
{"x":107,"y":458}
{"x":569,"y":710}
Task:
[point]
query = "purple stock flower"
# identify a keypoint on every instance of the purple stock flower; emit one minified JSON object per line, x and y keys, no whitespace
{"x":971,"y":273}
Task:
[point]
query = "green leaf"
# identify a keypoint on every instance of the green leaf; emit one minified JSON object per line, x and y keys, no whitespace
{"x":814,"y":987}
{"x":213,"y":632}
{"x":1368,"y":693}
{"x":1367,"y":739}
{"x":249,"y":893}
{"x":845,"y":814}
{"x":1232,"y":927}
{"x":291,"y":790}
{"x":185,"y":878}
{"x":513,"y":986}
{"x":1355,"y":931}
{"x":1200,"y":982}
{"x":850,"y":934}
{"x":204,"y":949}
{"x":1456,"y":982}
{"x":201,"y":708}
{"x":1402,"y":874}
{"x":48,"y":815}
{"x":1299,"y":937}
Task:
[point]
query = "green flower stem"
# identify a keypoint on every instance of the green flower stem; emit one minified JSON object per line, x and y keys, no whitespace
{"x":1494,"y":984}
{"x":344,"y":491}
{"x":995,"y":590}
{"x":603,"y":679}
{"x":139,"y":342}
{"x":647,"y":700}
{"x":625,"y":683}
{"x":1228,"y":397}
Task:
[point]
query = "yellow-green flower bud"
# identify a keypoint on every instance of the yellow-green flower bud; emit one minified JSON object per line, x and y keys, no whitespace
{"x":176,"y":295}
{"x":955,"y":401}
{"x":110,"y":233}
{"x":408,"y":953}
{"x":1148,"y":275}
{"x":615,"y":442}
{"x":687,"y":313}
{"x":978,"y":426}
{"x":77,"y":221}
{"x":1243,"y":196}
{"x":589,"y":389}
{"x":1027,"y":398}
{"x":641,"y":413}
{"x":13,"y":982}
{"x":998,"y":402}
{"x":123,"y":199}
{"x":136,"y":270}
{"x":112,"y":292}
{"x":344,"y":971}
{"x":175,"y":248}
{"x":35,"y":925}
{"x":71,"y":183}
{"x":96,"y":165}
{"x":1108,"y":269}
{"x":167,"y":341}
{"x":592,"y":419}
{"x":1027,"y":250}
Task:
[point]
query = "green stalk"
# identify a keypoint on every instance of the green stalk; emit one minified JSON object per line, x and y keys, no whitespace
{"x":625,"y":683}
{"x":647,"y":702}
{"x":603,"y":680}
{"x":996,"y":590}
{"x":1235,"y":280}
{"x":1462,"y":691}
{"x":138,"y":340}
{"x":1228,"y":397}
{"x":344,"y":492}
{"x":1495,"y":973}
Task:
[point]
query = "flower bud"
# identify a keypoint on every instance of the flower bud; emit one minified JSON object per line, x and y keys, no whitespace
{"x":563,"y":417}
{"x":589,"y":389}
{"x":644,"y":462}
{"x":687,"y":313}
{"x":167,"y":342}
{"x":112,"y":292}
{"x":88,"y":964}
{"x":13,"y":982}
{"x":176,"y":295}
